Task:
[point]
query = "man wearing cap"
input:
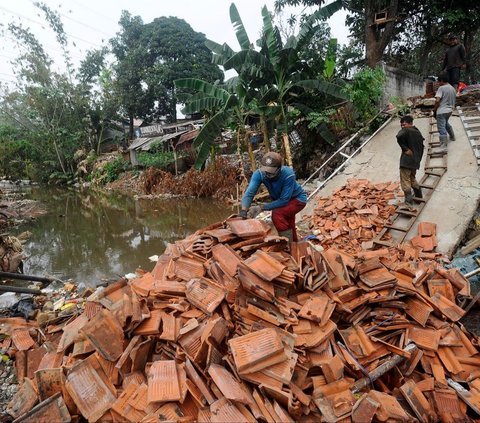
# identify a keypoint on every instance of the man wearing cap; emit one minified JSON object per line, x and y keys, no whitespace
{"x":288,"y":197}
{"x":454,"y":60}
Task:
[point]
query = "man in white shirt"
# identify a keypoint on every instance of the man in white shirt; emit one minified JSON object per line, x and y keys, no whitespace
{"x":444,"y":104}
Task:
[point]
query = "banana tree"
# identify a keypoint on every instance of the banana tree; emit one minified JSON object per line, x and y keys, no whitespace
{"x":276,"y":69}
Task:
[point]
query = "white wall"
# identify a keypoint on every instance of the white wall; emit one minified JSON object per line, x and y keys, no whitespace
{"x":401,"y":84}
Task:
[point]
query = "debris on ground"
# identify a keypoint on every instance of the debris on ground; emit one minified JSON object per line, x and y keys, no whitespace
{"x":235,"y":324}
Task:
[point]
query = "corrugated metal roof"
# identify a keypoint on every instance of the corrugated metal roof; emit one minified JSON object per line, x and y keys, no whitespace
{"x":141,"y":141}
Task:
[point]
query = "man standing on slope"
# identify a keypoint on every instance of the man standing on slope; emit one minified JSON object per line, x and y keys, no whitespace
{"x":410,"y":141}
{"x":444,"y":103}
{"x":454,"y":60}
{"x":287,"y":195}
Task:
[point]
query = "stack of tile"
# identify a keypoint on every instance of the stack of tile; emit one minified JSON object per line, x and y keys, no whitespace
{"x":251,"y":329}
{"x":354,"y":215}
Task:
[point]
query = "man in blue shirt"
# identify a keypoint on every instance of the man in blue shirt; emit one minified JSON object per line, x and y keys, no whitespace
{"x":288,"y":197}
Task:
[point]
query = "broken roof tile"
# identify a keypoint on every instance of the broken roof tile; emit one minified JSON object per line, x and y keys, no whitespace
{"x":255,"y":347}
{"x":163,"y":384}
{"x":106,"y":335}
{"x":91,"y":394}
{"x":205,"y":294}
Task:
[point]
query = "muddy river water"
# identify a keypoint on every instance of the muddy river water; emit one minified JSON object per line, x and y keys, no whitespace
{"x":93,"y":237}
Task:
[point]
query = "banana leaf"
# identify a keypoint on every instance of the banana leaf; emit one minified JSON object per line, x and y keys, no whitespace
{"x":240,"y":31}
{"x":273,"y":42}
{"x":322,"y":86}
{"x":200,"y":104}
{"x":245,"y":58}
{"x":202,"y":86}
{"x":206,"y":137}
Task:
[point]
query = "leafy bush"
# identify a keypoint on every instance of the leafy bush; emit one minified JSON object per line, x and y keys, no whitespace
{"x":110,"y":171}
{"x":159,"y":160}
{"x":366,"y":90}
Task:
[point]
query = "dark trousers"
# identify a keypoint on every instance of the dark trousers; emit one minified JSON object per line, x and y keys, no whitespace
{"x":454,"y":77}
{"x":283,"y":218}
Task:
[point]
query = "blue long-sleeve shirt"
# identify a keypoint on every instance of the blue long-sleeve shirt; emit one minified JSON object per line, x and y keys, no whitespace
{"x":281,"y":189}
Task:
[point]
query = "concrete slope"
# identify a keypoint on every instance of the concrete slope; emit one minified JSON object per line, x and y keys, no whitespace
{"x":456,"y":198}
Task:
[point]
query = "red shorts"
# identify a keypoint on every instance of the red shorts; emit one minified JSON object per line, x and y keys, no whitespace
{"x":283,"y":218}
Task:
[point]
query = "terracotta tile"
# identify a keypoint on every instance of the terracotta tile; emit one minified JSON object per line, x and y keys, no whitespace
{"x":24,"y":399}
{"x":205,"y":294}
{"x":70,"y":332}
{"x":21,"y":339}
{"x":151,"y":325}
{"x":123,"y":407}
{"x":224,"y":411}
{"x":227,"y":258}
{"x":417,"y":402}
{"x":337,"y":267}
{"x":283,"y":371}
{"x":333,"y":369}
{"x":187,"y":268}
{"x":424,"y":338}
{"x":82,"y":346}
{"x":442,"y":286}
{"x":447,"y":407}
{"x":91,"y":308}
{"x":48,"y":411}
{"x":318,"y":308}
{"x":357,"y":341}
{"x":170,"y":327}
{"x":251,"y":349}
{"x":426,"y":243}
{"x":418,"y":310}
{"x":364,"y":409}
{"x":378,"y":278}
{"x":389,"y":408}
{"x":139,"y":355}
{"x":265,"y":266}
{"x":143,"y":285}
{"x":106,"y":335}
{"x":228,"y":385}
{"x":319,"y":335}
{"x":449,"y":360}
{"x":254,"y":284}
{"x":163,"y":382}
{"x":88,"y":389}
{"x":247,"y":228}
{"x":49,"y":382}
{"x":427,"y":229}
{"x":447,"y":308}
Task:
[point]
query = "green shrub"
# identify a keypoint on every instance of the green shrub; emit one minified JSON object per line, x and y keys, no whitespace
{"x":365,"y":91}
{"x":112,"y":170}
{"x":160,"y":159}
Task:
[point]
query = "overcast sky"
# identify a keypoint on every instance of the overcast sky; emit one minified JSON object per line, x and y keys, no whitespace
{"x":91,"y":23}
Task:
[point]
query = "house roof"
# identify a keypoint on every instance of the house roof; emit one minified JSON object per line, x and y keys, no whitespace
{"x":144,"y":144}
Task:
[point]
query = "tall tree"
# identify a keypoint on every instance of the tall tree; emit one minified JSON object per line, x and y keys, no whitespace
{"x":175,"y":51}
{"x":135,"y":95}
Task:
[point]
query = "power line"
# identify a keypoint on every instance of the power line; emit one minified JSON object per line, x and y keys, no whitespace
{"x":43,"y":25}
{"x":78,"y":22}
{"x":94,"y":11}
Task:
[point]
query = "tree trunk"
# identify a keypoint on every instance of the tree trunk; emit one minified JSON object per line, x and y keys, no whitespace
{"x":250,"y":151}
{"x":288,"y":151}
{"x":239,"y":153}
{"x":468,"y":43}
{"x":130,"y":127}
{"x":266,"y":139}
{"x":377,"y":38}
{"x":59,"y":156}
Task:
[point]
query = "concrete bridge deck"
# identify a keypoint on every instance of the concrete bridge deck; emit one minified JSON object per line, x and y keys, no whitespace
{"x":456,"y":197}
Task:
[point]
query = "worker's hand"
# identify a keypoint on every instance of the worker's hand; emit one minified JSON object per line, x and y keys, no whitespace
{"x":243,"y":214}
{"x":409,"y":152}
{"x":254,"y":211}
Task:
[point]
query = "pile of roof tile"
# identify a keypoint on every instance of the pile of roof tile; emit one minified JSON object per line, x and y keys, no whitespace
{"x":232,"y":325}
{"x":354,"y":215}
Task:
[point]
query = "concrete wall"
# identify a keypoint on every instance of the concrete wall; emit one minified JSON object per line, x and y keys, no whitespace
{"x":401,"y":84}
